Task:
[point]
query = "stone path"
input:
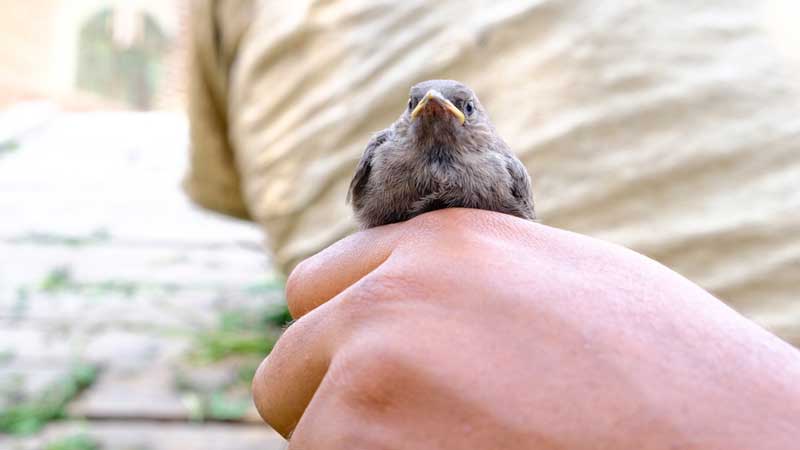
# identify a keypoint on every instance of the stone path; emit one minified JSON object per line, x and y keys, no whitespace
{"x":106,"y":267}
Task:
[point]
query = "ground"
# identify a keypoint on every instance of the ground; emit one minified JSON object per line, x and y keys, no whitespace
{"x":132,"y":318}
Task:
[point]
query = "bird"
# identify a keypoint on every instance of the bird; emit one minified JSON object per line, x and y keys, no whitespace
{"x":442,"y":152}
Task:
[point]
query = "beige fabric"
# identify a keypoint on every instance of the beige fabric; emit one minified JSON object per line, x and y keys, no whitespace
{"x":217,"y":27}
{"x":672,"y":128}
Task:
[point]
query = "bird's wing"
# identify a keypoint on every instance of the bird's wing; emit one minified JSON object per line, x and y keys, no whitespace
{"x":365,"y":165}
{"x":520,"y":184}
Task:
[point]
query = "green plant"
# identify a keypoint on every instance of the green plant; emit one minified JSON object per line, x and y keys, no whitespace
{"x":242,"y":338}
{"x":8,"y":146}
{"x":59,"y":278}
{"x":27,"y":416}
{"x":216,"y":345}
{"x":278,"y":315}
{"x":228,"y":400}
{"x":266,"y":287}
{"x":222,"y":407}
{"x":75,"y":442}
{"x":247,"y":371}
{"x":242,"y":333}
{"x":98,"y":236}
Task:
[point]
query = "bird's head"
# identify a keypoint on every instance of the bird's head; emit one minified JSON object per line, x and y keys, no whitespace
{"x":445,"y":112}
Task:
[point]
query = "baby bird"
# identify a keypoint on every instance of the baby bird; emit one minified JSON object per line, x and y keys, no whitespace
{"x":443,"y":152}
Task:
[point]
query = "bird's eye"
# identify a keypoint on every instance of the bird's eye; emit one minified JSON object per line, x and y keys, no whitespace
{"x":411,"y":103}
{"x":469,"y":108}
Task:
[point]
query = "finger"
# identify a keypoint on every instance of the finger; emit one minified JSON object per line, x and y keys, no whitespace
{"x":326,"y":274}
{"x":287,"y":379}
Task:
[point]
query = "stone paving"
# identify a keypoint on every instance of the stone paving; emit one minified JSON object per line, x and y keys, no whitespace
{"x":105,"y":265}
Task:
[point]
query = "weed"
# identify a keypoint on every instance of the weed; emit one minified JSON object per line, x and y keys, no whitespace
{"x":58,"y":279}
{"x":226,"y":402}
{"x":265,"y":287}
{"x":247,"y":371}
{"x":278,"y":315}
{"x":74,"y":442}
{"x":216,"y":345}
{"x":98,"y":236}
{"x":8,"y":146}
{"x":241,"y":338}
{"x":61,"y":279}
{"x":28,"y":416}
{"x":222,"y":407}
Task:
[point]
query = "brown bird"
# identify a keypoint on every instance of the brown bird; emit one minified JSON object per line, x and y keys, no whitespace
{"x":443,"y":152}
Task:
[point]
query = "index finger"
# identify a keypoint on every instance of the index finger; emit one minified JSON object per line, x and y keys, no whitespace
{"x":324,"y":275}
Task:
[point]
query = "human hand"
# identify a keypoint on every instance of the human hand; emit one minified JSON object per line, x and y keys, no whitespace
{"x":467,"y":329}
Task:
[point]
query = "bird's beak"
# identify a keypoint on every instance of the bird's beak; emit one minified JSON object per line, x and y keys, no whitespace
{"x":435,"y":97}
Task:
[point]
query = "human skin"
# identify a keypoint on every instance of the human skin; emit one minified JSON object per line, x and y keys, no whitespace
{"x":466,"y":329}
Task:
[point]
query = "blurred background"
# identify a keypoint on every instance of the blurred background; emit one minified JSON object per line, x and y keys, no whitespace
{"x":90,"y":55}
{"x":132,"y":319}
{"x":129,"y":319}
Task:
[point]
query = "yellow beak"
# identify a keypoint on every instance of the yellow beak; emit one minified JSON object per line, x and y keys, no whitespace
{"x":436,"y":96}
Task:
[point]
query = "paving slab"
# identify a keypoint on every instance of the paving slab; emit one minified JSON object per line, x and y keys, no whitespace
{"x":155,"y":436}
{"x":104,"y":262}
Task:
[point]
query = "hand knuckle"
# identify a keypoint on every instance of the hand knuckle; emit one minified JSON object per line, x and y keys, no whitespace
{"x":369,"y":296}
{"x":374,"y":374}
